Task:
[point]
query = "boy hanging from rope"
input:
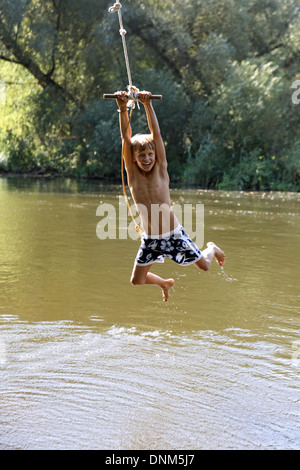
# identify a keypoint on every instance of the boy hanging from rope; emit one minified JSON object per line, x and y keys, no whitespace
{"x":148,"y":179}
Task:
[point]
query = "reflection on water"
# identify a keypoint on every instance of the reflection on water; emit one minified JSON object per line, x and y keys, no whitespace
{"x":88,"y":361}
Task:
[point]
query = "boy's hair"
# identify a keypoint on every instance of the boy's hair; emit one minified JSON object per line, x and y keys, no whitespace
{"x":141,"y":142}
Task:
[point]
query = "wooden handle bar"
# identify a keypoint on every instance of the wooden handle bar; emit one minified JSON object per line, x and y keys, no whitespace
{"x":111,"y":96}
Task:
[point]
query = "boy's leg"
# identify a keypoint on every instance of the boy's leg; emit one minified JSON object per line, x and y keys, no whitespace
{"x":212,"y":251}
{"x":141,"y":276}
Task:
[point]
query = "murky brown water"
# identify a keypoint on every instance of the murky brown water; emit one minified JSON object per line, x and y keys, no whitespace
{"x":88,"y":361}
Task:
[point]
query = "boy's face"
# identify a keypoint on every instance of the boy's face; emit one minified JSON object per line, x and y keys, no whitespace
{"x":145,"y":159}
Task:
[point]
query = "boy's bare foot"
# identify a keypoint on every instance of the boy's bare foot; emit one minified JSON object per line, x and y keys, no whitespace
{"x":165,"y":289}
{"x":219,"y":254}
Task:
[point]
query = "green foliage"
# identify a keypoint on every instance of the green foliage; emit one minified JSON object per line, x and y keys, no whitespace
{"x":21,"y":156}
{"x":224,"y":67}
{"x":204,"y":167}
{"x":253,"y":171}
{"x":290,"y":165}
{"x":250,"y":105}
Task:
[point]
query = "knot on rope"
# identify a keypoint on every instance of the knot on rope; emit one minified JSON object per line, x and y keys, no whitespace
{"x":133,"y":94}
{"x":116,"y":7}
{"x":122,"y":31}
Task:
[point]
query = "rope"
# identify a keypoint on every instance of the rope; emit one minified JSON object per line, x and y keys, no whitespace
{"x":132,"y":93}
{"x":117,"y":7}
{"x":132,"y":90}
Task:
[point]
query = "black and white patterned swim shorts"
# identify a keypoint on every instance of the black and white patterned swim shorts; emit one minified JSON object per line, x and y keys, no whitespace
{"x":176,"y":246}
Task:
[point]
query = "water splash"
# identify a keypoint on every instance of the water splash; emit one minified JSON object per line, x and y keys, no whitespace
{"x":226,"y":276}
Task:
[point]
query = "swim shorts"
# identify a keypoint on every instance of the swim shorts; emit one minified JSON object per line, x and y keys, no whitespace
{"x":176,"y":246}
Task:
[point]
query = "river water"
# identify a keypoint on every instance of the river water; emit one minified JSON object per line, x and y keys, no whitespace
{"x":88,"y":361}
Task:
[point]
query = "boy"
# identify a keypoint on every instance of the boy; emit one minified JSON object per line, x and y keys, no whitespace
{"x":148,"y":180}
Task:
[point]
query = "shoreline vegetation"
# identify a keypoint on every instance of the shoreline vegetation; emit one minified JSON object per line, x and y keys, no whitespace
{"x":230,"y":113}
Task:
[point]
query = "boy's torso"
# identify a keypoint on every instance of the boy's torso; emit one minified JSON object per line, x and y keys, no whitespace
{"x":151,"y":195}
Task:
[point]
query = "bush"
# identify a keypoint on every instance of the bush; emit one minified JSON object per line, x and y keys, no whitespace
{"x":20,"y":153}
{"x":205,"y":167}
{"x":290,"y":163}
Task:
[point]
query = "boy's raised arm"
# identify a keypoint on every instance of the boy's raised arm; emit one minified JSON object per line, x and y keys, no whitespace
{"x":125,"y":127}
{"x":144,"y":97}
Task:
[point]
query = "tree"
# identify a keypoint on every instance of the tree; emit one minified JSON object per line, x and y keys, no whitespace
{"x":224,"y":67}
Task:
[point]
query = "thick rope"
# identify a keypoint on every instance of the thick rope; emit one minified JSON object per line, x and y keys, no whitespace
{"x":117,"y":7}
{"x":132,"y":90}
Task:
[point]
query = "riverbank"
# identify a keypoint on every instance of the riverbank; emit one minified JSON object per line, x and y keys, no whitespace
{"x":47,"y":175}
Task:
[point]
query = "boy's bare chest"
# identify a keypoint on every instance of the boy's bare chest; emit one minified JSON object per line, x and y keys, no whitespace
{"x":150,"y":189}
